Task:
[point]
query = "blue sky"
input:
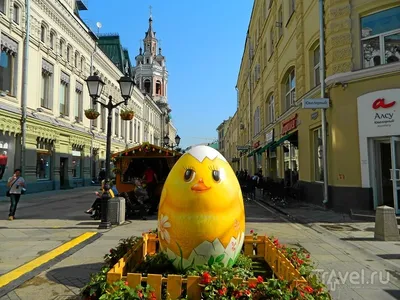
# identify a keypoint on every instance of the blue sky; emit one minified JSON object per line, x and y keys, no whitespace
{"x":203,"y":43}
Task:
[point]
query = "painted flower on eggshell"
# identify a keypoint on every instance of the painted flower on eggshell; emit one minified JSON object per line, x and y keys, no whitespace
{"x":163,"y":224}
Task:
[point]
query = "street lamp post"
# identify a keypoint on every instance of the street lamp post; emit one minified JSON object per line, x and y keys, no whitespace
{"x":95,"y":87}
{"x":172,"y":146}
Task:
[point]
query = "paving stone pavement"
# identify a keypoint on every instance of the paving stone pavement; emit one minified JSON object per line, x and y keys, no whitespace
{"x":358,"y":233}
{"x":339,"y":261}
{"x":44,"y":221}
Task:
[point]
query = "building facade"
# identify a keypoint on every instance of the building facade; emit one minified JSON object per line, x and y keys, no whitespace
{"x":222,"y":132}
{"x":281,"y":66}
{"x":64,"y":149}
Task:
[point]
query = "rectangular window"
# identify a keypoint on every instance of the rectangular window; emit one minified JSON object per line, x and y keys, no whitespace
{"x":139,"y":133}
{"x":43,"y":34}
{"x":271,"y":109}
{"x":130,"y":131}
{"x":61,"y":50}
{"x":280,"y":22}
{"x":78,"y":102}
{"x":46,"y":86}
{"x":64,"y":94}
{"x":16,"y":14}
{"x":380,"y":37}
{"x":316,"y":63}
{"x":318,"y":155}
{"x":290,"y":89}
{"x":134,"y":131}
{"x":292,"y":7}
{"x":7,"y":65}
{"x":272,"y":41}
{"x":123,"y":129}
{"x":2,"y":6}
{"x":77,"y":162}
{"x":44,"y":158}
{"x":103,"y":118}
{"x":116,"y":123}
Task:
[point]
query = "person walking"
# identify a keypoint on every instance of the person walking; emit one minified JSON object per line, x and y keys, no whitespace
{"x":16,"y":183}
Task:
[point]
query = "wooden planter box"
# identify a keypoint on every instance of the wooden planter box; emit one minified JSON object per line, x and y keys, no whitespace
{"x":261,"y":247}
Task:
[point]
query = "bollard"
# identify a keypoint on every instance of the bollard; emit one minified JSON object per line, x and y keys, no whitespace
{"x":386,"y":224}
{"x":116,"y":210}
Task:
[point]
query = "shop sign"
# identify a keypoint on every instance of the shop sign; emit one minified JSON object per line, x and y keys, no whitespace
{"x":289,"y":125}
{"x":76,"y":153}
{"x":316,"y":103}
{"x":256,"y":145}
{"x":269,"y":137}
{"x":242,"y":148}
{"x":378,"y":113}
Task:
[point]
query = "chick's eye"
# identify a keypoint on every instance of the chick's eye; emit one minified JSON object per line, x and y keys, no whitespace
{"x":189,"y":174}
{"x":216,"y":175}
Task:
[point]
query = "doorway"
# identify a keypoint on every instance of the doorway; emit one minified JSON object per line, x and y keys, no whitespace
{"x":63,"y":172}
{"x":387,"y":172}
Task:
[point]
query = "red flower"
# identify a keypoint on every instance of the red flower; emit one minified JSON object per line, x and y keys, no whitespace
{"x":140,"y":294}
{"x":252,"y":285}
{"x":152,"y":296}
{"x":126,"y":283}
{"x":222,"y":291}
{"x":260,"y":279}
{"x":309,"y":289}
{"x":206,"y":278}
{"x":251,"y":231}
{"x":111,"y":250}
{"x":308,"y":255}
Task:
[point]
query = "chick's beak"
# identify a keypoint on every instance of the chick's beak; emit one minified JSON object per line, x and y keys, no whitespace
{"x":200,"y":186}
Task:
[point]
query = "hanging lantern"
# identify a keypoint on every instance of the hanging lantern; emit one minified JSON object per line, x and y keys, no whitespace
{"x":133,"y":152}
{"x":140,"y":149}
{"x":160,"y":151}
{"x":154,"y":149}
{"x":126,"y":153}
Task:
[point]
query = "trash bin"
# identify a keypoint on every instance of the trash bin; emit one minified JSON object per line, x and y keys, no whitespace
{"x":116,"y":210}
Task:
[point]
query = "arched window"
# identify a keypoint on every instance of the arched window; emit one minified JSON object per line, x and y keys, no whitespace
{"x":290,"y":89}
{"x":43,"y":32}
{"x":52,"y":39}
{"x":158,"y":87}
{"x":69,"y":50}
{"x":76,"y":59}
{"x":147,"y":86}
{"x":62,"y":47}
{"x":83,"y":64}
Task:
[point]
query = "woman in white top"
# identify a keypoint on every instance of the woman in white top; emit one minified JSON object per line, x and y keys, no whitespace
{"x":16,"y":183}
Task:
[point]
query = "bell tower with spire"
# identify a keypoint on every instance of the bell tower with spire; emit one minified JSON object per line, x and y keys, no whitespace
{"x":151,"y":75}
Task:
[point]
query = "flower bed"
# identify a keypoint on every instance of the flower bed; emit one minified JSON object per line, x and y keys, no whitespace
{"x":292,"y":278}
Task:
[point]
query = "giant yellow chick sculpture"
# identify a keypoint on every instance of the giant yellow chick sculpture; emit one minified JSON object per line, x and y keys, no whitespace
{"x":201,"y":216}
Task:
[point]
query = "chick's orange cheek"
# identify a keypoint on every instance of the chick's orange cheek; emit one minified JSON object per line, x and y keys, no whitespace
{"x":201,"y":215}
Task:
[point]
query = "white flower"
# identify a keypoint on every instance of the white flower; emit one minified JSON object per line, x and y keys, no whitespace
{"x":163,"y":224}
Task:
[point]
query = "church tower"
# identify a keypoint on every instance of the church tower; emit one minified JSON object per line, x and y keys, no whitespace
{"x":151,"y":75}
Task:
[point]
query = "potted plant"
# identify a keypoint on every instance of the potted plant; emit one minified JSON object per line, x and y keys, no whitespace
{"x":127,"y":114}
{"x":91,"y":114}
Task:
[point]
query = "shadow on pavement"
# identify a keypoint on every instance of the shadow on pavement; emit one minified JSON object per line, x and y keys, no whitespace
{"x":73,"y":276}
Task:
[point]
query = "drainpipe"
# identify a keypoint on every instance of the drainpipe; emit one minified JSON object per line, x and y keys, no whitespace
{"x":323,"y":111}
{"x":24,"y":98}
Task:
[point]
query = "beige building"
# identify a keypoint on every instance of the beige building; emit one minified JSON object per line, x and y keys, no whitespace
{"x":281,"y":66}
{"x":63,"y":148}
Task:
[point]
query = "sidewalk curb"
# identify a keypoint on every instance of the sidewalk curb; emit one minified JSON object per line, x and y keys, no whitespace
{"x":314,"y":226}
{"x":28,"y":276}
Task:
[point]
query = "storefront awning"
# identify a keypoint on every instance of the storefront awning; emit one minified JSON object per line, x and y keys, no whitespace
{"x":282,"y":139}
{"x":255,"y":151}
{"x":266,"y":147}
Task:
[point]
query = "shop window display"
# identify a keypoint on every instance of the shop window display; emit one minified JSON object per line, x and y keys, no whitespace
{"x":44,"y":158}
{"x":7,"y":158}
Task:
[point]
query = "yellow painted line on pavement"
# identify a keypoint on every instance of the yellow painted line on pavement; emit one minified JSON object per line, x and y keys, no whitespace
{"x":37,"y":262}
